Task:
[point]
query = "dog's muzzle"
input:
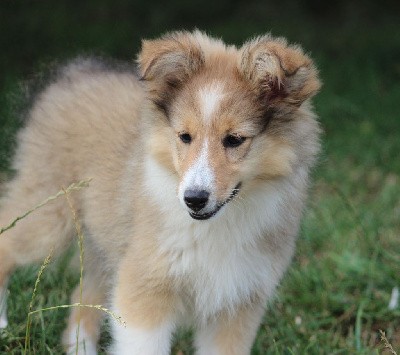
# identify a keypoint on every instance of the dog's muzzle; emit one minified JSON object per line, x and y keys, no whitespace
{"x":197,"y":200}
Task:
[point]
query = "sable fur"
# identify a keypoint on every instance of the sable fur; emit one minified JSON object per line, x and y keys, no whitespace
{"x":161,"y":267}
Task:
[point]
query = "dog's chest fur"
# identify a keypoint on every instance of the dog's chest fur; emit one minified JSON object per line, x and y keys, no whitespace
{"x":219,"y":265}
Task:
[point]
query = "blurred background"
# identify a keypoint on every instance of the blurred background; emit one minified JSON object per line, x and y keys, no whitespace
{"x":337,"y":295}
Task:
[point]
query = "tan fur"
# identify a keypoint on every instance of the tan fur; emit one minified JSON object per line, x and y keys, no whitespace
{"x":105,"y":124}
{"x":87,"y":318}
{"x":234,"y":335}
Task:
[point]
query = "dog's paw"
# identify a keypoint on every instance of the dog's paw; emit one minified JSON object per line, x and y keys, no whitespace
{"x":3,"y":320}
{"x":3,"y":308}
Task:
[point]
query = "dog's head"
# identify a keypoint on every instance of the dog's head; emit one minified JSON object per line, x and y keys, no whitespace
{"x":229,"y":117}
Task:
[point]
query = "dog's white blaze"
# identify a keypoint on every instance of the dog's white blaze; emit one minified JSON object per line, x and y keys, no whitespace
{"x":199,"y":176}
{"x":135,"y":341}
{"x":3,"y":308}
{"x":210,"y":97}
{"x":86,"y":346}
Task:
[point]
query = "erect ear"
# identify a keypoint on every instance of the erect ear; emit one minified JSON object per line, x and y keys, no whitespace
{"x":166,"y":63}
{"x":281,"y":74}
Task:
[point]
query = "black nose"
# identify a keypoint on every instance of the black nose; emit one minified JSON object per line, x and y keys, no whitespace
{"x":196,"y":199}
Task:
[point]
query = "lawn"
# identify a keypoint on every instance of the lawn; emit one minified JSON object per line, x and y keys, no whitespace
{"x":335,"y":296}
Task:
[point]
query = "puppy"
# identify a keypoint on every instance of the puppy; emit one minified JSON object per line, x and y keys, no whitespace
{"x":200,"y":171}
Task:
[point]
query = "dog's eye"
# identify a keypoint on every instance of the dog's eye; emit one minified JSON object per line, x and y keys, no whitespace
{"x":185,"y":138}
{"x":232,"y":141}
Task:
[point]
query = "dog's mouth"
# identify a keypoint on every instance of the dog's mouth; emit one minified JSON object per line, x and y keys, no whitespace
{"x":208,"y":215}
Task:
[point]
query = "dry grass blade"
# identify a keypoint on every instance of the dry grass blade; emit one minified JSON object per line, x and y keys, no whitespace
{"x":65,"y":191}
{"x":94,"y":306}
{"x":81,"y":251}
{"x":74,"y":186}
{"x":386,"y":342}
{"x":46,"y":262}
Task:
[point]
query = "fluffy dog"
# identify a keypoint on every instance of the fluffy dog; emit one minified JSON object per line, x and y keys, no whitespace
{"x":200,"y":172}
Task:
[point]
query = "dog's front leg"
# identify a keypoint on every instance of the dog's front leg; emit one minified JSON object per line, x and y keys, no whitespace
{"x":230,"y":334}
{"x":144,"y":301}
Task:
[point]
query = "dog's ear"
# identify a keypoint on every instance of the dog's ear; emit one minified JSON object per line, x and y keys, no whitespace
{"x":166,"y":63}
{"x":283,"y":76}
{"x":176,"y":54}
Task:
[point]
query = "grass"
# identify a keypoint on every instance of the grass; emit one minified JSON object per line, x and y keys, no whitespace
{"x":335,"y":296}
{"x":27,"y":349}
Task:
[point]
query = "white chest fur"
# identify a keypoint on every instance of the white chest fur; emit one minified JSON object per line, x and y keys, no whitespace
{"x":219,"y":264}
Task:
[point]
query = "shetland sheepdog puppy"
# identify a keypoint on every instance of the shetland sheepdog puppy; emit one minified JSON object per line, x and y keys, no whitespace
{"x":200,"y":168}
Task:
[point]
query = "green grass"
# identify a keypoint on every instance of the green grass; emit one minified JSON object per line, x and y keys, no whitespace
{"x":334,"y":298}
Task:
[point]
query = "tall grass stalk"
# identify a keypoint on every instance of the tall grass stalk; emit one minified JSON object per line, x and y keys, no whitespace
{"x":66,"y":192}
{"x":74,"y":186}
{"x":46,"y":262}
{"x":81,"y":254}
{"x":386,"y":343}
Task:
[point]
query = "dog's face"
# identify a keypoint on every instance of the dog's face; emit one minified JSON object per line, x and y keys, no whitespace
{"x":213,"y":139}
{"x":226,"y":111}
